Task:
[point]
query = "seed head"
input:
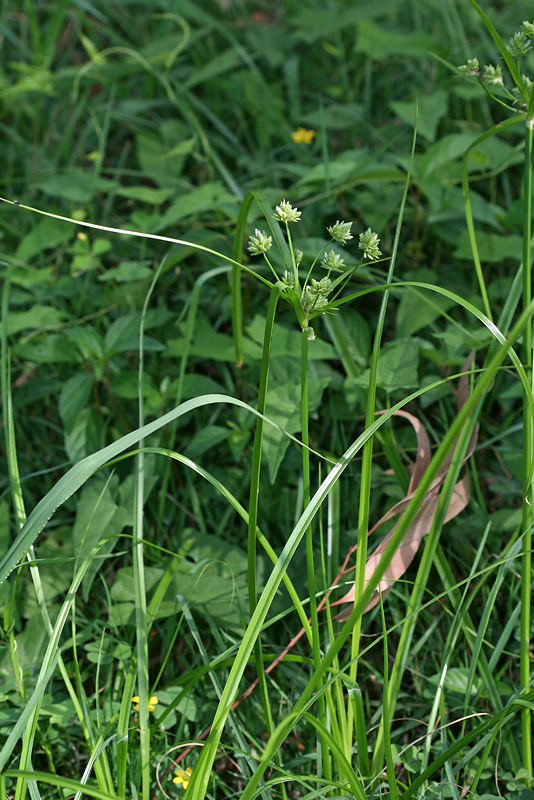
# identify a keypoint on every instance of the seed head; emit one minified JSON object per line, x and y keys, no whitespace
{"x":493,"y":74}
{"x":259,"y":243}
{"x":471,"y":69}
{"x":285,"y":212}
{"x":369,"y":242}
{"x":340,"y":232}
{"x":316,"y":294}
{"x":519,"y":44}
{"x":333,"y":262}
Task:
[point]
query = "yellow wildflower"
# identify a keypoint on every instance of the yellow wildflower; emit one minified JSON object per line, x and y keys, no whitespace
{"x":152,"y":703}
{"x":183,"y":777}
{"x":303,"y":136}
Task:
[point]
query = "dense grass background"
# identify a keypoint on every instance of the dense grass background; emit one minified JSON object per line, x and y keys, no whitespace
{"x":160,"y":117}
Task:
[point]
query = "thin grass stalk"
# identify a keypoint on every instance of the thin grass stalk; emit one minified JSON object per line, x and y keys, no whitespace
{"x":194,"y":299}
{"x":141,"y":621}
{"x":255,"y":493}
{"x":367,"y":456}
{"x":310,"y":564}
{"x":468,"y":210}
{"x":528,"y":453}
{"x":486,"y":669}
{"x":420,"y":583}
{"x":386,"y":717}
{"x":452,"y":637}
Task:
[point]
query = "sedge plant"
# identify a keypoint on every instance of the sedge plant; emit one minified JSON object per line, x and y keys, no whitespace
{"x":331,"y":702}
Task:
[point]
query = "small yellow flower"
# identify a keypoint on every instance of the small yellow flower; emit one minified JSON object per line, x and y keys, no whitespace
{"x":303,"y":136}
{"x":82,"y":236}
{"x":152,"y":703}
{"x":183,"y":777}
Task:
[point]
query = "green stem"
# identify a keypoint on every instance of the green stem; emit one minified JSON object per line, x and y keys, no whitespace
{"x":528,"y":516}
{"x":255,"y":492}
{"x":316,"y":641}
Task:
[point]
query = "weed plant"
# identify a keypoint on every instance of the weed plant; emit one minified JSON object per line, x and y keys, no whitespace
{"x":243,"y":574}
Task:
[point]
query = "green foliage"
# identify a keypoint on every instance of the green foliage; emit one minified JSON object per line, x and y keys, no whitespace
{"x":134,"y":576}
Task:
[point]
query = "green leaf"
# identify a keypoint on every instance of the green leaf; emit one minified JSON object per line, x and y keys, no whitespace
{"x":205,"y":439}
{"x":74,"y":396}
{"x":207,"y":197}
{"x":37,"y":316}
{"x":417,"y":310}
{"x":89,"y":341}
{"x":492,"y":247}
{"x":47,"y":234}
{"x":210,"y":344}
{"x":215,"y":66}
{"x":397,"y":366}
{"x":283,"y":407}
{"x":457,"y":680}
{"x":431,"y":109}
{"x":123,"y":333}
{"x":146,"y":194}
{"x":85,"y":436}
{"x":49,"y":349}
{"x":379,"y":43}
{"x":126,"y":384}
{"x":286,"y":341}
{"x":74,"y":185}
{"x":127,"y":272}
{"x":98,"y":516}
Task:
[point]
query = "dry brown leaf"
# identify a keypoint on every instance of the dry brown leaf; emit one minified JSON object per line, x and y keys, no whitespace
{"x":405,"y":554}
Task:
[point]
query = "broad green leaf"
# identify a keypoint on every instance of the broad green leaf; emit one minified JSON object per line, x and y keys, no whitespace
{"x":207,"y":197}
{"x":85,"y":436}
{"x":283,"y":407}
{"x":126,"y":384}
{"x":210,"y":344}
{"x":152,"y":150}
{"x":145,"y":194}
{"x":416,"y":310}
{"x":380,"y":43}
{"x":448,"y":148}
{"x":74,"y":185}
{"x":431,"y":109}
{"x":98,"y":516}
{"x":205,"y":439}
{"x":492,"y":247}
{"x":38,"y":316}
{"x":397,"y":366}
{"x":123,"y":333}
{"x":286,"y":341}
{"x":457,"y":680}
{"x":74,"y":396}
{"x":128,"y":271}
{"x":48,"y":349}
{"x":46,"y":235}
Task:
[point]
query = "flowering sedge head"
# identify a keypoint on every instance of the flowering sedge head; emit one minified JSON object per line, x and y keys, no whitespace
{"x":183,"y":777}
{"x":285,"y":212}
{"x":259,"y":243}
{"x":340,"y":232}
{"x":333,"y":262}
{"x":152,"y":703}
{"x":369,"y":242}
{"x":303,"y":136}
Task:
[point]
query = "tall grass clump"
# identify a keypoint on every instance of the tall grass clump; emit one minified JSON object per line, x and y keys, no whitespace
{"x":247,"y":577}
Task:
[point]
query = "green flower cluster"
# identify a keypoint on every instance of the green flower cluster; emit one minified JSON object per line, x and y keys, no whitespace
{"x":313,"y":295}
